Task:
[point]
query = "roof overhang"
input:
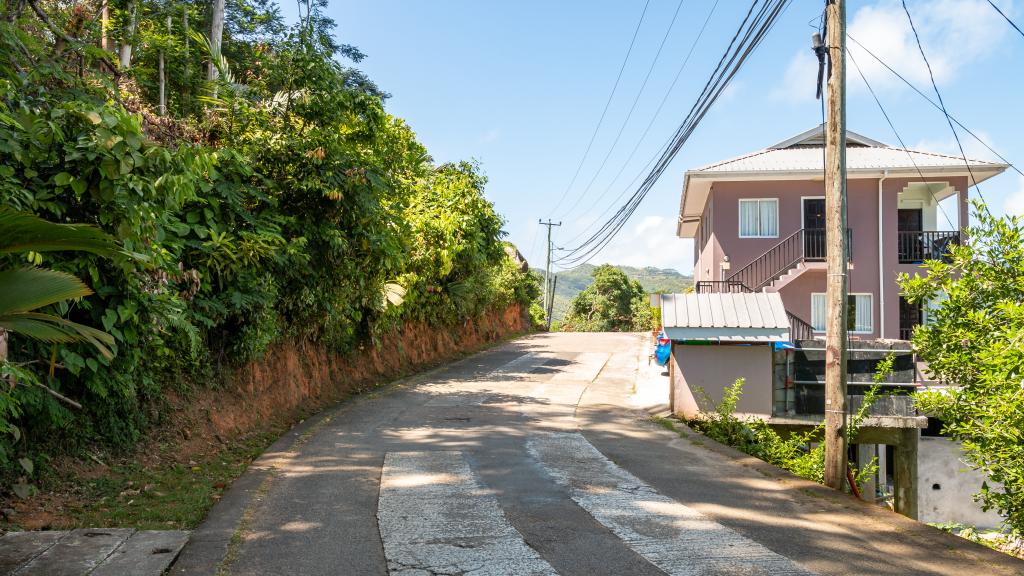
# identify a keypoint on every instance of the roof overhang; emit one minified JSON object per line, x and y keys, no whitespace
{"x":738,"y":335}
{"x":697,"y":184}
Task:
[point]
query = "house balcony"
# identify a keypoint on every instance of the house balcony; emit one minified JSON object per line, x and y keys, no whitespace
{"x":916,"y":247}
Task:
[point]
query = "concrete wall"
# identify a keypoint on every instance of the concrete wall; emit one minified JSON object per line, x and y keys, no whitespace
{"x":716,"y":367}
{"x":940,"y":464}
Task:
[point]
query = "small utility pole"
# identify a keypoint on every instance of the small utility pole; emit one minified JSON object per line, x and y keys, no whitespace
{"x":835,"y":236}
{"x":547,"y":270}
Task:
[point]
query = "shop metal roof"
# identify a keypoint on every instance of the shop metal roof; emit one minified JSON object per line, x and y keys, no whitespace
{"x":728,"y":317}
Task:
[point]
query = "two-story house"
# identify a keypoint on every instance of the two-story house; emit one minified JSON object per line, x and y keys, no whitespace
{"x":758,"y":225}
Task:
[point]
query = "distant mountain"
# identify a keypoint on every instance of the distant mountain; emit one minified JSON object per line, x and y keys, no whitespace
{"x":572,"y":282}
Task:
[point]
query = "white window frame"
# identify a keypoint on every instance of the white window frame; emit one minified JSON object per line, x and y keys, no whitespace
{"x":871,"y":298}
{"x":739,"y":217}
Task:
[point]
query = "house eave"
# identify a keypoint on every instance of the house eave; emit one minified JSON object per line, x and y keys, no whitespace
{"x":691,"y":205}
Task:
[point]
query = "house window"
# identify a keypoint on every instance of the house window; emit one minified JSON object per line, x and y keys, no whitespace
{"x":860,"y":313}
{"x":759,"y":218}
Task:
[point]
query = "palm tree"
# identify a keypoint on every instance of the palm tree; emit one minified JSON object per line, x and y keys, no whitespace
{"x":24,"y":291}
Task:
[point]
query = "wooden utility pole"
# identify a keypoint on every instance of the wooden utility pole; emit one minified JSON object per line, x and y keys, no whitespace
{"x":547,"y":271}
{"x":835,"y":237}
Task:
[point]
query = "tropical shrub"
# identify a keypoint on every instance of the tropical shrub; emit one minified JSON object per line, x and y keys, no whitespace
{"x":612,"y":303}
{"x":278,"y":202}
{"x":973,"y":344}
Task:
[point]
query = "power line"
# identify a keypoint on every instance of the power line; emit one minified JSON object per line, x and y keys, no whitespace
{"x":899,"y":138}
{"x":943,"y":105}
{"x":752,"y":32}
{"x":629,"y":114}
{"x":748,"y":36}
{"x":932,"y":102}
{"x":647,"y":130}
{"x":1007,"y":18}
{"x":605,"y":111}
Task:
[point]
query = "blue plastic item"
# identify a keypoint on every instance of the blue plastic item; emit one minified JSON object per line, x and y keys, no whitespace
{"x":663,"y":350}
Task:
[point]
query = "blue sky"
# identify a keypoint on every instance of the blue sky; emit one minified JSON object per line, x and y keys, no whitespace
{"x":520,"y":85}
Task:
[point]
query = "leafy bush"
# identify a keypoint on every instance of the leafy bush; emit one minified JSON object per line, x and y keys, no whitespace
{"x":800,"y":453}
{"x":279,"y":202}
{"x":972,"y":343}
{"x":612,"y":303}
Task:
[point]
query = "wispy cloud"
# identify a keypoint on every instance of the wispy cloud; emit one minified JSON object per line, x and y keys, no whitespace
{"x":1014,"y":203}
{"x":974,"y":149}
{"x":650,"y":241}
{"x":955,"y":34}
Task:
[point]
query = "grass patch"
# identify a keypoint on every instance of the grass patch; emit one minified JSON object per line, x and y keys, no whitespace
{"x":670,"y":425}
{"x":165,"y":496}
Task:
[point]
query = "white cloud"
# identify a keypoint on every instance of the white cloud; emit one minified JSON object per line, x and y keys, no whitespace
{"x":1014,"y":203}
{"x":974,"y":149}
{"x":798,"y":82}
{"x":955,"y":34}
{"x":651,"y":241}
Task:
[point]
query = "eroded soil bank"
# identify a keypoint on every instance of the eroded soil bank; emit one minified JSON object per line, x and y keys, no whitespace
{"x":208,"y":438}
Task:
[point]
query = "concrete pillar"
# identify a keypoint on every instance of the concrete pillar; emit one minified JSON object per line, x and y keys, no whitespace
{"x":865,"y":455}
{"x":905,"y":475}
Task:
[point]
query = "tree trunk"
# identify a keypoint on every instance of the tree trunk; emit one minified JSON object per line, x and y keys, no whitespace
{"x":163,"y":72}
{"x":216,"y":35}
{"x":104,"y":25}
{"x":129,"y":36}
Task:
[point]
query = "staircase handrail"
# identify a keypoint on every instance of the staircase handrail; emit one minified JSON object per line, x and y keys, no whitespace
{"x":761,"y":261}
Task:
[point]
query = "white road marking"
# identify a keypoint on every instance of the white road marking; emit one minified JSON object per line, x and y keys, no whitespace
{"x":673,"y":537}
{"x":436,"y":518}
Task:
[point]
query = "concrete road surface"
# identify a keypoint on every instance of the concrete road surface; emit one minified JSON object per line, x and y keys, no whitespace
{"x":539,"y":457}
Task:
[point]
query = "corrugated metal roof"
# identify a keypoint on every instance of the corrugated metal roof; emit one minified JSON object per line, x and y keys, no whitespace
{"x":857,"y":158}
{"x":747,"y":318}
{"x":728,"y":310}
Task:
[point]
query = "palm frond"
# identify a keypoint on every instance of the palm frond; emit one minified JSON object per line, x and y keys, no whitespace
{"x":23,"y":232}
{"x":32,"y":288}
{"x":49,"y":328}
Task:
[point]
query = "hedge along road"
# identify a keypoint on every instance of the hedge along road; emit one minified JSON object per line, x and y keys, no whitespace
{"x":536,"y":458}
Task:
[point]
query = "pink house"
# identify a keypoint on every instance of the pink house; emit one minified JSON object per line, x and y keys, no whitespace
{"x":757,"y":223}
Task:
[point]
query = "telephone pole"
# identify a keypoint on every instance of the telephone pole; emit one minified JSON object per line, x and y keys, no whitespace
{"x":547,"y":271}
{"x":835,"y":237}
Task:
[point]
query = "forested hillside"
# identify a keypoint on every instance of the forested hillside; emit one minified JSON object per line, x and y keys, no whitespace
{"x":572,"y":282}
{"x":256,"y":190}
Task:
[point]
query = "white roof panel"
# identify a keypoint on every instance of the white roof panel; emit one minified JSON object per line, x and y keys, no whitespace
{"x":729,"y":317}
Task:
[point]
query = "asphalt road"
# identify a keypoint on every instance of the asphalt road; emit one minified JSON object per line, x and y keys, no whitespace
{"x":539,"y":457}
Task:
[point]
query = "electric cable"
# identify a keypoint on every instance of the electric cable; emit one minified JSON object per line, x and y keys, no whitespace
{"x":943,"y":105}
{"x":629,"y":115}
{"x":647,"y":130}
{"x":936,"y":106}
{"x":597,"y":128}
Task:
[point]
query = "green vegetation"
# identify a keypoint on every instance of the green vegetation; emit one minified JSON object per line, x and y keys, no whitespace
{"x":973,"y":343}
{"x":653,"y":280}
{"x":266,"y":198}
{"x":800,"y":453}
{"x":612,"y":303}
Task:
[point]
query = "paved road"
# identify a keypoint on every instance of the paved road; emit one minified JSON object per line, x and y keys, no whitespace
{"x":536,"y":458}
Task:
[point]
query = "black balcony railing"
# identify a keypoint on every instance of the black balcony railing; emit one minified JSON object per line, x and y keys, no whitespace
{"x":803,"y":245}
{"x":906,"y":333}
{"x":916,"y":247}
{"x":719,"y":286}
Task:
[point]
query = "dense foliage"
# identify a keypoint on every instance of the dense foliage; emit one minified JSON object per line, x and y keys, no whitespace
{"x":974,"y":342}
{"x":278,"y":200}
{"x":612,"y":303}
{"x":654,"y":280}
{"x":801,"y":453}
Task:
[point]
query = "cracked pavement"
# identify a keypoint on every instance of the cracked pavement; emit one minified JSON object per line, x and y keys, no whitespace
{"x":539,"y":457}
